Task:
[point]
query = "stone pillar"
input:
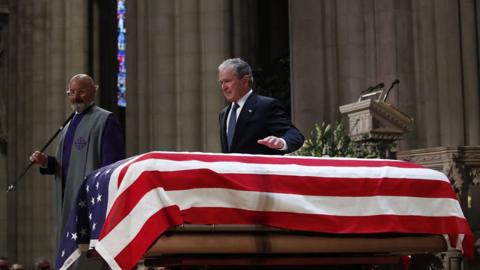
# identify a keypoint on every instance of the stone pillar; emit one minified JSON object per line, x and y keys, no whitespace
{"x":470,"y":28}
{"x":173,"y":51}
{"x":437,"y":45}
{"x":339,"y":48}
{"x":4,"y":68}
{"x":242,"y":33}
{"x":313,"y":58}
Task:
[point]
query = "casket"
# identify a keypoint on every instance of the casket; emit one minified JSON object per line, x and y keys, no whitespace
{"x":255,"y":245}
{"x":172,"y":208}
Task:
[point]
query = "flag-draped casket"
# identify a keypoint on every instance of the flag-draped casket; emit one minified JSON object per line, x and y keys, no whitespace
{"x":124,"y":207}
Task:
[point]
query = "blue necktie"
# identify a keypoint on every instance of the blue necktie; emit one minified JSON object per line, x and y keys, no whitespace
{"x":231,"y":124}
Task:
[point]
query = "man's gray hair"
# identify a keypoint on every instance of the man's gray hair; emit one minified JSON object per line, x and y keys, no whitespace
{"x":240,"y":67}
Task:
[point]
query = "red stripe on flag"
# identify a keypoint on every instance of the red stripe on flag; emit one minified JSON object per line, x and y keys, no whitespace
{"x":303,"y":185}
{"x":328,"y":223}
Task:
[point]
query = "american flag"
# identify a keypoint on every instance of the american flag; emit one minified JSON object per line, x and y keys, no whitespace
{"x":123,"y":208}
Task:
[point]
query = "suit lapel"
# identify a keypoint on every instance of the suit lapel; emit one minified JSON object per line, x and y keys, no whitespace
{"x":223,"y":128}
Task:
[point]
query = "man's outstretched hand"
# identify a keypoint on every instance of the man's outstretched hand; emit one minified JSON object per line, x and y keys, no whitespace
{"x":273,"y":142}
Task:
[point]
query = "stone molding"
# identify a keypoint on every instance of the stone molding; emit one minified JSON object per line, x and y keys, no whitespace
{"x":461,"y":164}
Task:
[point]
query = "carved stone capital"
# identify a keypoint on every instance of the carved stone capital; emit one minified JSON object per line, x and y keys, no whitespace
{"x":456,"y":174}
{"x":460,"y":164}
{"x":475,"y":176}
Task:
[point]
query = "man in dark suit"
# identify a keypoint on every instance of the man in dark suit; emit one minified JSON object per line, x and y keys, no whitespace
{"x":252,"y":123}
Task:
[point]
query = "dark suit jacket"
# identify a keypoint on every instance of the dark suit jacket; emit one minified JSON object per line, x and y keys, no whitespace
{"x":260,"y":117}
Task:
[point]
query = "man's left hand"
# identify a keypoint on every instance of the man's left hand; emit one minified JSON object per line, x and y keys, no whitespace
{"x":272,"y":142}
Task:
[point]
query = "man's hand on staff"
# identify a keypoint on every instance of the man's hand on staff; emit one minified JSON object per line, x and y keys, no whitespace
{"x":39,"y":158}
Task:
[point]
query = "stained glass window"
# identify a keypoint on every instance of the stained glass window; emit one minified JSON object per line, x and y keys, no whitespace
{"x":122,"y":64}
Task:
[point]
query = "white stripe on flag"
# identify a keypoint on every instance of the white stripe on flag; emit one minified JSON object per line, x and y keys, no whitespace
{"x":324,"y":205}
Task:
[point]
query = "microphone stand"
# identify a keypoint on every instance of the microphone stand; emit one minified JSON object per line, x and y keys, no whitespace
{"x":11,"y":187}
{"x":391,"y":86}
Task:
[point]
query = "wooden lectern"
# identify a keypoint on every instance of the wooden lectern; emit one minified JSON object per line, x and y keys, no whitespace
{"x":373,"y":119}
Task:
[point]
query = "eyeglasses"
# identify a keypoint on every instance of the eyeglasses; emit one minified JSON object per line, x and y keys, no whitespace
{"x":80,"y":92}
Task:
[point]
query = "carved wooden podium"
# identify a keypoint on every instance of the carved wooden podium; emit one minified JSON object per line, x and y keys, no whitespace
{"x":374,"y":119}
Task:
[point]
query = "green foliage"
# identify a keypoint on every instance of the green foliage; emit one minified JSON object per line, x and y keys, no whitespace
{"x":332,"y":140}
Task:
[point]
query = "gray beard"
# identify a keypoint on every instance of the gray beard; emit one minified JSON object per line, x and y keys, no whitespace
{"x":79,"y":107}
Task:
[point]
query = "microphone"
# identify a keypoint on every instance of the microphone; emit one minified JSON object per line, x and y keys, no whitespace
{"x":397,"y":81}
{"x":368,"y":90}
{"x":373,"y":88}
{"x":378,"y":86}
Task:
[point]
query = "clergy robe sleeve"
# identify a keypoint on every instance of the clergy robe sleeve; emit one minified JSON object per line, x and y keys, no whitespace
{"x":112,"y":141}
{"x":50,"y":169}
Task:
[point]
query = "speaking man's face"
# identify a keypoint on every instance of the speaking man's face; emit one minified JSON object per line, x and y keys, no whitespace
{"x":233,"y":87}
{"x":80,"y":94}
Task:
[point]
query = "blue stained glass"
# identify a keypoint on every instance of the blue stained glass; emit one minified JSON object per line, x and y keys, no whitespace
{"x":121,"y":55}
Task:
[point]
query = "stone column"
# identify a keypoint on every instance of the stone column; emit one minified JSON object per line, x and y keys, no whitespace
{"x":313,"y":57}
{"x":437,"y":40}
{"x":339,"y":48}
{"x":242,"y":33}
{"x":4,"y":68}
{"x":173,"y":50}
{"x":470,"y":28}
